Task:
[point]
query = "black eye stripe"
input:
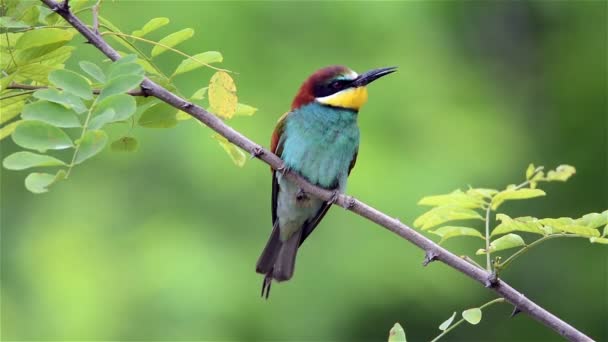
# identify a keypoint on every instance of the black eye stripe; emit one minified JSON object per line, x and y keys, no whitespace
{"x":331,"y":87}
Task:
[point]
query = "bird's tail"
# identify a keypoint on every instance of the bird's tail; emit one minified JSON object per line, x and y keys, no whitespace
{"x":278,"y":259}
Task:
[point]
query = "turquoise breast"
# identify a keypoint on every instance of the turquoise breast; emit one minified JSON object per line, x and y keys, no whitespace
{"x":320,"y":143}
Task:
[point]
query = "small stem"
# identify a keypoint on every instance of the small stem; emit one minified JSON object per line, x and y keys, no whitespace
{"x":95,"y":11}
{"x":84,"y":130}
{"x":34,"y":88}
{"x":465,"y":257}
{"x":524,"y":249}
{"x":164,"y":46}
{"x":494,"y":301}
{"x":18,"y":94}
{"x":488,"y":258}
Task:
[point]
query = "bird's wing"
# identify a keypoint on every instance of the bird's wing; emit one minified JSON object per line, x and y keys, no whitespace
{"x":312,"y":224}
{"x":276,"y":146}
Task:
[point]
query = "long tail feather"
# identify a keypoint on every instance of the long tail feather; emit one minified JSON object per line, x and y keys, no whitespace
{"x":286,"y":260}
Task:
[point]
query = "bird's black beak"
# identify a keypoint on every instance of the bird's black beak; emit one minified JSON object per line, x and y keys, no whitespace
{"x":372,"y":75}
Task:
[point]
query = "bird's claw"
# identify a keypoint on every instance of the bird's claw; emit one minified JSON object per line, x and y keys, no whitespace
{"x":257,"y":152}
{"x":283,"y":169}
{"x":335,"y":195}
{"x":301,"y":195}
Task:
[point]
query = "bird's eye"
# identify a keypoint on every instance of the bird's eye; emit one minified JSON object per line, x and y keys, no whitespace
{"x":336,"y":85}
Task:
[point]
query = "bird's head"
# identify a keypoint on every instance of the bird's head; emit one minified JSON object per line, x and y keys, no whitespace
{"x":338,"y":86}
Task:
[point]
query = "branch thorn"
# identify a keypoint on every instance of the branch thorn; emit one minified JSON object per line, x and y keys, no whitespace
{"x":492,"y":280}
{"x":429,"y":257}
{"x":516,"y":310}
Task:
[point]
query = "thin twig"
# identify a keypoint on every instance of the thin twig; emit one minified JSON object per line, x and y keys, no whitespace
{"x":505,"y":264}
{"x":17,"y":94}
{"x":165,"y":47}
{"x":95,"y":91}
{"x":503,"y":289}
{"x":497,"y":300}
{"x":488,"y":258}
{"x":95,"y":11}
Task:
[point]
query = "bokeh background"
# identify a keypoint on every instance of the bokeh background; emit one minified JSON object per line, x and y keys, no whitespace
{"x":161,"y":244}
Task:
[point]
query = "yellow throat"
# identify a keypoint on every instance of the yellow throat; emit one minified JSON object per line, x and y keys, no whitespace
{"x":351,"y":98}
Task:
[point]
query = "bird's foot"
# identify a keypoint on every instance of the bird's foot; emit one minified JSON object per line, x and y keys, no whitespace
{"x":301,"y":195}
{"x":335,"y":195}
{"x":283,"y":169}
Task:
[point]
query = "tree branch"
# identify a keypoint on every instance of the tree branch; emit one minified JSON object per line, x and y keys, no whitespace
{"x":431,"y":248}
{"x":95,"y":91}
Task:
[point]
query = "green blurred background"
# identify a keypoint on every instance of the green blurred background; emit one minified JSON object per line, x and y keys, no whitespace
{"x":161,"y":244}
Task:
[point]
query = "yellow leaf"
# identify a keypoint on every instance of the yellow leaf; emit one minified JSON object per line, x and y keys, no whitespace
{"x":222,"y":95}
{"x":236,"y":154}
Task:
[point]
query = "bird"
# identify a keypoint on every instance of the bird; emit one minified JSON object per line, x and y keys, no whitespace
{"x":318,"y":139}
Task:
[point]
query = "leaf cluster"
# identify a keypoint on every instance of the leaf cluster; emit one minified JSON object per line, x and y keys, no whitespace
{"x":49,"y":110}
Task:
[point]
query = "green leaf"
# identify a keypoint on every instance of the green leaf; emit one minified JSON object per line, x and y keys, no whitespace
{"x":446,"y":324}
{"x":502,"y":243}
{"x":244,"y":110}
{"x":148,"y":67}
{"x":198,"y":61}
{"x":123,"y":105}
{"x":71,"y":101}
{"x":48,"y":55}
{"x":91,"y":144}
{"x":24,"y":160}
{"x":9,"y":22}
{"x":8,"y":129}
{"x":150,"y":26}
{"x":38,"y":182}
{"x":397,"y":334}
{"x":442,"y":214}
{"x":603,"y":241}
{"x":93,"y":70}
{"x":102,"y":119}
{"x":453,"y":231}
{"x":530,"y":171}
{"x":521,"y":224}
{"x":172,"y":40}
{"x":199,"y":94}
{"x":6,"y":81}
{"x":125,"y":144}
{"x":455,"y":198}
{"x":35,"y":38}
{"x":562,"y":173}
{"x":568,"y":225}
{"x":593,"y":220}
{"x":472,"y":316}
{"x":236,"y":154}
{"x":40,"y":136}
{"x":511,"y":194}
{"x":11,"y":107}
{"x":120,"y":85}
{"x":51,"y":113}
{"x":71,"y":82}
{"x":127,"y":65}
{"x":222,"y":95}
{"x":35,"y":72}
{"x":159,"y":116}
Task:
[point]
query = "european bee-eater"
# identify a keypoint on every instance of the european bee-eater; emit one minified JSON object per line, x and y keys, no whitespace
{"x":319,"y":139}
